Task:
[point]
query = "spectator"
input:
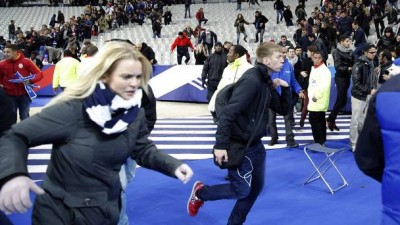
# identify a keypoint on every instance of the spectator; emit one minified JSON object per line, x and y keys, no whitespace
{"x":212,"y":70}
{"x":53,"y":21}
{"x":377,"y":147}
{"x":318,"y":92}
{"x":147,"y":51}
{"x":11,"y":30}
{"x":285,"y":43}
{"x":208,"y":38}
{"x":200,"y":54}
{"x":279,"y":7}
{"x":16,"y":91}
{"x":79,"y":126}
{"x":65,"y":72}
{"x":188,"y":30}
{"x":343,"y":60}
{"x":187,"y":8}
{"x":182,"y":43}
{"x":60,"y":17}
{"x":387,"y":41}
{"x":361,"y":91}
{"x":382,"y":71}
{"x":237,"y":66}
{"x":200,"y":16}
{"x":167,"y":16}
{"x":239,"y":24}
{"x":259,"y":24}
{"x":344,"y":24}
{"x":319,"y":44}
{"x":36,"y":60}
{"x":359,"y":39}
{"x":288,"y":16}
{"x":286,"y":74}
{"x":253,"y":85}
{"x":156,"y":27}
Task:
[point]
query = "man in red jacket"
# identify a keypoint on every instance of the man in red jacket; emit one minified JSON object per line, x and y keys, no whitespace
{"x":16,"y":62}
{"x":182,"y":42}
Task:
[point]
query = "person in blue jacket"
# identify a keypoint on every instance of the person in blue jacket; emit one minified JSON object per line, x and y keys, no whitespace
{"x":377,"y":151}
{"x":286,"y":74}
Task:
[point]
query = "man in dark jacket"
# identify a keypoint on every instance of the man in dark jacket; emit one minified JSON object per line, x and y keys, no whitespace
{"x":208,"y":38}
{"x":212,"y":70}
{"x":343,"y":61}
{"x":259,"y":24}
{"x":362,"y":89}
{"x":377,"y":153}
{"x":236,"y":124}
{"x":147,"y":51}
{"x":359,"y":39}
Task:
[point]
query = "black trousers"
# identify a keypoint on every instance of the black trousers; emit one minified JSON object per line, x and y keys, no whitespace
{"x":342,"y":85}
{"x":318,"y":126}
{"x":211,"y":88}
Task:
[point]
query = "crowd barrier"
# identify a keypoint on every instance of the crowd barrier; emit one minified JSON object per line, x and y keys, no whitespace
{"x":180,"y":83}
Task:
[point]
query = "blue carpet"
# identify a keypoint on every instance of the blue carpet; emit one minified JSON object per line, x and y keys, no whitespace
{"x":154,"y":199}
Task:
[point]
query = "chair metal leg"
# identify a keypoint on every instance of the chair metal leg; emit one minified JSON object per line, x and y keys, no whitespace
{"x":323,"y":167}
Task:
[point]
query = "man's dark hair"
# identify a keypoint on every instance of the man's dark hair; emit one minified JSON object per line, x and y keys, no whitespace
{"x":291,"y":48}
{"x":355,"y":22}
{"x":343,"y":37}
{"x":91,"y":50}
{"x":311,"y":35}
{"x":12,"y":47}
{"x":240,"y":50}
{"x":67,"y":53}
{"x":387,"y":55}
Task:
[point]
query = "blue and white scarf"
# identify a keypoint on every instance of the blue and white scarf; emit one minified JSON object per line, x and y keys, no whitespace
{"x":111,"y":112}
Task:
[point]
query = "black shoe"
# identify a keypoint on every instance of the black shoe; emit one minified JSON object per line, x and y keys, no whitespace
{"x":332,"y":126}
{"x":292,"y":144}
{"x":273,"y":141}
{"x":335,"y":127}
{"x":301,"y":123}
{"x":245,"y":39}
{"x":256,"y":41}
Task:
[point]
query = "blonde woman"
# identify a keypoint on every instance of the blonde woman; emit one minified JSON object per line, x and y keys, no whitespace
{"x":95,"y":125}
{"x":200,"y":54}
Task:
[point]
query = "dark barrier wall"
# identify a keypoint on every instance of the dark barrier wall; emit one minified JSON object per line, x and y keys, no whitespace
{"x":188,"y":90}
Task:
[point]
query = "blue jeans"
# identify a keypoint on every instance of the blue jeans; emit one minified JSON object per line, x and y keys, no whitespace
{"x":22,"y":104}
{"x":246,"y":183}
{"x":187,"y":11}
{"x":261,"y":32}
{"x":279,"y":12}
{"x":155,"y":34}
{"x":126,"y":175}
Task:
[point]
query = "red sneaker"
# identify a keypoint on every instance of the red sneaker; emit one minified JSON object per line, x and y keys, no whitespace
{"x":194,"y":203}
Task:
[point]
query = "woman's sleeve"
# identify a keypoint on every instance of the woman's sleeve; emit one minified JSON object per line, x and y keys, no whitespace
{"x":53,"y":124}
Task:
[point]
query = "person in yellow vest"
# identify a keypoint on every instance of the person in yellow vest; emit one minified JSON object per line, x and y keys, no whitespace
{"x":65,"y":72}
{"x":318,"y":91}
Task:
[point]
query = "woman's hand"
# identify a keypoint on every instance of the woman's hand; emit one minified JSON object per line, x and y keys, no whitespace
{"x":14,"y":196}
{"x":184,"y":173}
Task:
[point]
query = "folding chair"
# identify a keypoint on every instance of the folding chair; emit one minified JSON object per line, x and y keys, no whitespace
{"x":332,"y":154}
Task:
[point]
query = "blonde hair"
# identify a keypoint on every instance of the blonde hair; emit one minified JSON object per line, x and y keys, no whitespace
{"x":267,"y":49}
{"x":102,"y":65}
